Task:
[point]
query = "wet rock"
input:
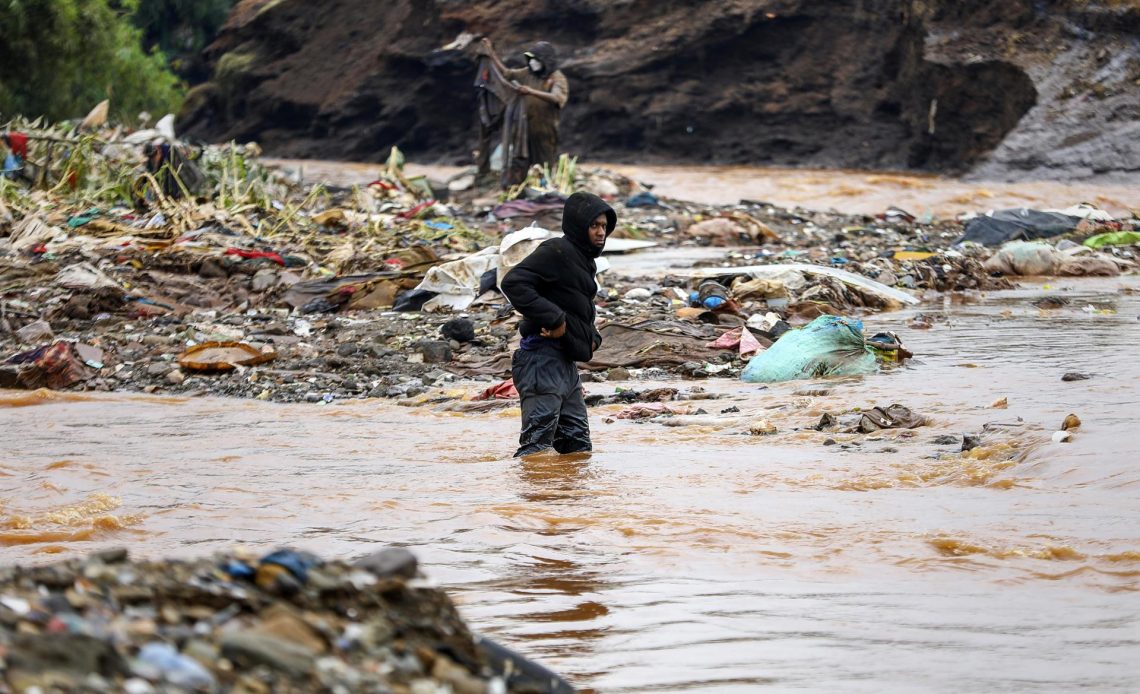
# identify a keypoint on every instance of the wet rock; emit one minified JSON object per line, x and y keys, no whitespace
{"x":1071,"y":422}
{"x":211,"y":269}
{"x":282,"y":622}
{"x":762,"y":427}
{"x":263,"y":279}
{"x":829,"y":442}
{"x":970,"y":442}
{"x":946,"y":440}
{"x":176,"y":377}
{"x":461,"y":330}
{"x":1075,"y":376}
{"x":827,"y":421}
{"x":390,"y":562}
{"x":115,"y":555}
{"x":158,"y":368}
{"x":67,"y":654}
{"x":250,"y":649}
{"x":347,"y":350}
{"x":619,"y":373}
{"x":435,"y":352}
{"x":36,"y":333}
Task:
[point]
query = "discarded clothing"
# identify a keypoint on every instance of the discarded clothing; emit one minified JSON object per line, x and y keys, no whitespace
{"x":504,"y":390}
{"x":828,"y":346}
{"x":1037,"y":259}
{"x":1021,"y":224}
{"x":655,"y":409}
{"x":893,"y":417}
{"x":529,"y":208}
{"x":648,"y":344}
{"x":739,"y":339}
{"x":254,"y":255}
{"x":52,"y":366}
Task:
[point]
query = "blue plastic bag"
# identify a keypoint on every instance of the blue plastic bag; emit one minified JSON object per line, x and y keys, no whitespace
{"x":828,"y":346}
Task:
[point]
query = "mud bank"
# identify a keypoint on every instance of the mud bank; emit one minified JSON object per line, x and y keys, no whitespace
{"x":1027,"y":90}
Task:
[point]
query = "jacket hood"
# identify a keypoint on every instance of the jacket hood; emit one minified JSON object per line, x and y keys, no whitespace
{"x":546,"y":54}
{"x":581,"y":209}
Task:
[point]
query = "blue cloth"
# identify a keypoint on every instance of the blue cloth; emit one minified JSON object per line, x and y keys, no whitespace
{"x":12,"y":165}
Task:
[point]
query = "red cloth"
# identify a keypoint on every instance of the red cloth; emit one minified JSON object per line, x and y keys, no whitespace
{"x":19,"y":144}
{"x":408,"y":214}
{"x":241,"y":252}
{"x":500,"y":391}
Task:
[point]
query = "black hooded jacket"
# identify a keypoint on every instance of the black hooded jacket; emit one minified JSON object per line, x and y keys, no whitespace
{"x":556,"y":282}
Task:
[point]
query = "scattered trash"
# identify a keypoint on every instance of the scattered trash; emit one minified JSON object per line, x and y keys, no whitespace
{"x":287,"y":622}
{"x":1114,"y":238}
{"x":504,"y":390}
{"x":892,"y":417}
{"x":1072,"y":421}
{"x":828,"y":346}
{"x":222,"y":356}
{"x":1022,"y":224}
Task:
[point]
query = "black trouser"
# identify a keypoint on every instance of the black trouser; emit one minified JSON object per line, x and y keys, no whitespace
{"x":553,"y":409}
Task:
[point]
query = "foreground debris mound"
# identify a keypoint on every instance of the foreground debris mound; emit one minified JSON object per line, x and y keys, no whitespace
{"x":287,"y":622}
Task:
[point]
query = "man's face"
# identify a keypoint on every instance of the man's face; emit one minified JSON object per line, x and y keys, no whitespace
{"x":597,"y":231}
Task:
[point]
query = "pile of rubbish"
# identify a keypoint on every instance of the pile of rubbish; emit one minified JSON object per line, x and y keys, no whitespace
{"x":132,"y":261}
{"x":284,"y":622}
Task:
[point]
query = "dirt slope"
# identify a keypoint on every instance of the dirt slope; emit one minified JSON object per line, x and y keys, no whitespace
{"x":1011,"y":89}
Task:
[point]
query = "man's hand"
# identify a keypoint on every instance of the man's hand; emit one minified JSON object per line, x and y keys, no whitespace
{"x":485,"y":47}
{"x":524,"y":90}
{"x":556,"y":332}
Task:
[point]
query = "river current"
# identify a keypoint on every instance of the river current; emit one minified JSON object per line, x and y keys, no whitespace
{"x":688,"y":558}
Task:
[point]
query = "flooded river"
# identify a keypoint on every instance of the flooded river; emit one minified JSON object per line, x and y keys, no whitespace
{"x":683,"y":558}
{"x":856,"y":192}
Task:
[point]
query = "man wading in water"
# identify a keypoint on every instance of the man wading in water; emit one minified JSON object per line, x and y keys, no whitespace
{"x":553,"y":288}
{"x":543,"y":90}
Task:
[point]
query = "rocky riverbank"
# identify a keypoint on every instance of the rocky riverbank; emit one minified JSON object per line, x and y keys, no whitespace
{"x":287,"y":621}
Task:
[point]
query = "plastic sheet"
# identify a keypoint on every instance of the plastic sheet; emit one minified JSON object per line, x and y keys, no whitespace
{"x":828,"y":346}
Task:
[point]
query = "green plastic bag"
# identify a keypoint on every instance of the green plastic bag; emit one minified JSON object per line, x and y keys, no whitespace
{"x":1113,"y":238}
{"x":828,"y":346}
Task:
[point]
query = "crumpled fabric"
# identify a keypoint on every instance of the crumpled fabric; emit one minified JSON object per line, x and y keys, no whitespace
{"x":892,"y":417}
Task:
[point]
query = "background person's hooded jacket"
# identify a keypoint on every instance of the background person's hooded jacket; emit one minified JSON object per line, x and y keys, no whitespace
{"x":556,"y":282}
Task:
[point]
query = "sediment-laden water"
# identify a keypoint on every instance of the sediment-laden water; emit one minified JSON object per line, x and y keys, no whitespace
{"x":694,"y":558}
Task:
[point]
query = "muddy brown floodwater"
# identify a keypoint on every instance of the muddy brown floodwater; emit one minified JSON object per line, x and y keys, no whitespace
{"x":683,"y":558}
{"x":856,"y":192}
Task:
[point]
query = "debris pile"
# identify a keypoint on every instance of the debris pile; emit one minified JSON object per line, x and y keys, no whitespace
{"x":284,"y":622}
{"x":132,"y":261}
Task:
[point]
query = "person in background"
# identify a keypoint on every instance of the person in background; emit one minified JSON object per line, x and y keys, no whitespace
{"x":554,"y":288}
{"x":545,"y":91}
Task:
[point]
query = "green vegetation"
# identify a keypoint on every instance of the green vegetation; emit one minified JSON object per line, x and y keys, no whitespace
{"x":182,"y":29}
{"x":65,"y":56}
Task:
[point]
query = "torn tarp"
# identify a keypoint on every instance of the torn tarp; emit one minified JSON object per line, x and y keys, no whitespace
{"x":1022,"y":224}
{"x":652,"y":343}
